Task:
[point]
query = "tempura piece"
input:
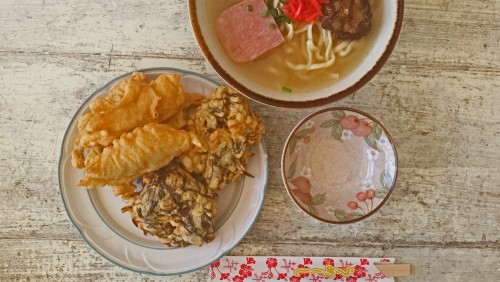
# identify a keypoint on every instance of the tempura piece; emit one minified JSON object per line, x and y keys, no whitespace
{"x":130,"y":104}
{"x":225,"y":128}
{"x":117,"y":92}
{"x":180,"y":119}
{"x":174,"y":207}
{"x":143,"y":150}
{"x":126,"y":190}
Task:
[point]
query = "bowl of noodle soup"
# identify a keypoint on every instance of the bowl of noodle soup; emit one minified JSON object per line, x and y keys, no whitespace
{"x":310,"y":66}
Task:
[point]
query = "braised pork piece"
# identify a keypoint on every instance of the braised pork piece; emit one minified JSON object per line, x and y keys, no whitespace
{"x":348,"y":19}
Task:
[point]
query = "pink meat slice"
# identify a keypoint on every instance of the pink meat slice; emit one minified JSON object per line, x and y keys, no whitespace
{"x":246,"y":34}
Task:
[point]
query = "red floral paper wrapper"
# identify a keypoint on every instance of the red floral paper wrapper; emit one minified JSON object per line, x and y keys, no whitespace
{"x":294,"y":269}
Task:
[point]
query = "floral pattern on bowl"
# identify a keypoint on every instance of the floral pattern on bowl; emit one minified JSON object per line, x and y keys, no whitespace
{"x":339,"y":165}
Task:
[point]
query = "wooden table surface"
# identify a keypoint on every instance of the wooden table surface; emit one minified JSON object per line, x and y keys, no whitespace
{"x":438,"y":95}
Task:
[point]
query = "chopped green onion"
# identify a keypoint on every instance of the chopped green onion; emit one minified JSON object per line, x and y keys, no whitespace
{"x":277,"y":13}
{"x":265,"y":12}
{"x":286,"y":89}
{"x":249,"y":8}
{"x":272,"y":25}
{"x":274,"y":12}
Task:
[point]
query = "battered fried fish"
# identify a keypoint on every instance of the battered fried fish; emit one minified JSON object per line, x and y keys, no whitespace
{"x":174,"y":207}
{"x":130,"y":104}
{"x":144,"y":150}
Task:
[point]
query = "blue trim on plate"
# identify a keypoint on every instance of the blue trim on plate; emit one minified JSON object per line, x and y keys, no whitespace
{"x":153,"y":248}
{"x":66,"y":207}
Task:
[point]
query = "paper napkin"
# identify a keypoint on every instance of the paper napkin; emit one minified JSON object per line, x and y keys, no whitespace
{"x":315,"y":269}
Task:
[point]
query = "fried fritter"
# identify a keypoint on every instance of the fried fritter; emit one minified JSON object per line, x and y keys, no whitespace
{"x":144,"y":150}
{"x":225,"y":127}
{"x":174,"y":207}
{"x":130,"y":104}
{"x":137,"y":131}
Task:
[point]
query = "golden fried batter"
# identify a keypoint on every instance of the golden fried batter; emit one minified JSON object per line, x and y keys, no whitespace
{"x":137,"y":131}
{"x":225,"y":127}
{"x":143,"y":150}
{"x":174,"y":207}
{"x":130,"y":104}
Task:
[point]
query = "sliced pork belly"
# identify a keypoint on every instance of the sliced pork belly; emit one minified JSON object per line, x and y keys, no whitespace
{"x":245,"y":33}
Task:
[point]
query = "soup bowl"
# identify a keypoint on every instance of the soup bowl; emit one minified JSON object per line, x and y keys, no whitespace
{"x":339,"y":165}
{"x":386,"y":25}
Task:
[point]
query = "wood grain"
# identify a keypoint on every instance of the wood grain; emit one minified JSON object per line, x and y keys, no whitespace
{"x":73,"y":260}
{"x":394,"y":270}
{"x":437,"y":95}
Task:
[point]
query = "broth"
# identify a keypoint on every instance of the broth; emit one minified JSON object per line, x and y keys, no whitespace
{"x":270,"y":70}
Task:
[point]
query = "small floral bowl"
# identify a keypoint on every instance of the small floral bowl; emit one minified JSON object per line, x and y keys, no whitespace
{"x":339,"y":165}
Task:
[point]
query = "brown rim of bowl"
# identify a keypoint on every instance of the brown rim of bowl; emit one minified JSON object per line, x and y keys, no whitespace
{"x":296,"y":104}
{"x":283,"y":176}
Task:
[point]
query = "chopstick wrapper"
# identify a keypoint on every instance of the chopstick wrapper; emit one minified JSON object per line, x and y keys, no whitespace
{"x":316,"y":269}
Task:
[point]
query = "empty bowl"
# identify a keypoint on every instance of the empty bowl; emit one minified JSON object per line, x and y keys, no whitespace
{"x":339,"y":165}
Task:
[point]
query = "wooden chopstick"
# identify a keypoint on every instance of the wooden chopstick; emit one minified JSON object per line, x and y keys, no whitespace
{"x":394,"y":270}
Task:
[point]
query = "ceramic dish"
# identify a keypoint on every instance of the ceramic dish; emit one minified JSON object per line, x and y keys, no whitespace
{"x":385,"y":31}
{"x":339,"y":165}
{"x":96,"y":213}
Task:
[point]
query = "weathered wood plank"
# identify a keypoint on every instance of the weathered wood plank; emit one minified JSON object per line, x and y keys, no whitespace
{"x":440,"y":186}
{"x":126,"y":28}
{"x":75,"y":261}
{"x":96,"y":27}
{"x":437,"y":95}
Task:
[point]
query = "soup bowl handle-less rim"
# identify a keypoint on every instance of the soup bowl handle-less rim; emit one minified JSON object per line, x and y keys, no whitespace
{"x":212,"y":51}
{"x":384,"y":131}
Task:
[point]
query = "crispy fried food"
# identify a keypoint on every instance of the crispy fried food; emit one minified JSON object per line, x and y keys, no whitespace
{"x":126,"y":190}
{"x":225,"y":127}
{"x":143,"y":150}
{"x":136,"y":133}
{"x":130,"y":104}
{"x":117,"y":93}
{"x":174,"y":207}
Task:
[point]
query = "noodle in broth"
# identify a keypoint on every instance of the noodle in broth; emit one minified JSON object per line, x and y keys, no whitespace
{"x":311,"y":57}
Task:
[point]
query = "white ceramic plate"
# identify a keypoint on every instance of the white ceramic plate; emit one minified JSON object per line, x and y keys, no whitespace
{"x":98,"y":219}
